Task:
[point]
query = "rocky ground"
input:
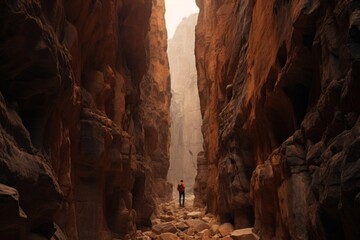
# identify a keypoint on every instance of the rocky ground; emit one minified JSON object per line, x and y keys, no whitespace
{"x":172,"y":222}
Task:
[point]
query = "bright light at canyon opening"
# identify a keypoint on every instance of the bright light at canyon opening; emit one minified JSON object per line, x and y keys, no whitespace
{"x":186,"y":137}
{"x":176,"y":10}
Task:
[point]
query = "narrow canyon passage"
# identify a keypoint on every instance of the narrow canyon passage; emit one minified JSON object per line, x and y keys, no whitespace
{"x":186,"y":136}
{"x":101,"y":115}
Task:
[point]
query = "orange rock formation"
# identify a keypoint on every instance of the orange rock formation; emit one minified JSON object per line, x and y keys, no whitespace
{"x":278,"y":83}
{"x":85,"y":95}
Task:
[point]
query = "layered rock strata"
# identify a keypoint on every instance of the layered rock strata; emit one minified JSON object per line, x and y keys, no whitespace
{"x":85,"y":96}
{"x":278,"y":84}
{"x":185,"y":107}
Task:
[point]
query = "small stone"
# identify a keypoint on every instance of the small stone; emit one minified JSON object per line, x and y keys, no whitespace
{"x":197,"y":224}
{"x":168,"y":236}
{"x":195,"y":214}
{"x":227,"y":238}
{"x":150,"y":234}
{"x":143,"y":238}
{"x":215,"y":237}
{"x":214,"y":229}
{"x":190,"y":231}
{"x":155,"y":221}
{"x":225,"y":229}
{"x":167,"y":218}
{"x":163,"y":228}
{"x":182,"y":226}
{"x":210,"y":215}
{"x":205,"y":234}
{"x":244,"y":234}
{"x":207,"y":219}
{"x":201,"y":227}
{"x":166,"y":209}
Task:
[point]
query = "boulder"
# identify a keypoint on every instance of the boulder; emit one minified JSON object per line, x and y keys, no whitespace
{"x":182,"y":226}
{"x":150,"y":234}
{"x":225,"y":229}
{"x":163,"y":228}
{"x":205,"y":234}
{"x":244,"y":234}
{"x":194,"y":214}
{"x":214,"y":228}
{"x":207,"y":219}
{"x":168,"y":236}
{"x":197,"y":224}
{"x":167,"y":218}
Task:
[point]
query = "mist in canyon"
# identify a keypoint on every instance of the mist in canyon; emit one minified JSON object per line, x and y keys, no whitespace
{"x":101,"y":114}
{"x":186,"y":136}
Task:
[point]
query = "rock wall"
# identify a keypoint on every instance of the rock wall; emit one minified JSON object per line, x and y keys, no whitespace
{"x":278,"y":83}
{"x":85,"y":97}
{"x":186,"y":120}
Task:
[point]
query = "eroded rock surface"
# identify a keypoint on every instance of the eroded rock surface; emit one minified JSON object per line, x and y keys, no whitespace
{"x":278,"y":84}
{"x":85,"y":96}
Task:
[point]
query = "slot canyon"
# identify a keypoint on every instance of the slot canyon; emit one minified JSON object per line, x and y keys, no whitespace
{"x":259,"y":116}
{"x":186,"y":139}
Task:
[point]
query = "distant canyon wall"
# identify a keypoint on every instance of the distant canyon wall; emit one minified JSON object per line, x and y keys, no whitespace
{"x":186,"y":137}
{"x":279,"y":91}
{"x":85,"y":98}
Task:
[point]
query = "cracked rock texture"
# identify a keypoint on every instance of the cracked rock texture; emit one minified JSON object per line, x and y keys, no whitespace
{"x":279,"y":90}
{"x":84,"y":109}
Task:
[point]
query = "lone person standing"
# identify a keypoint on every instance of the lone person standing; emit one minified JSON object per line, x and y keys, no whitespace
{"x":181,"y":190}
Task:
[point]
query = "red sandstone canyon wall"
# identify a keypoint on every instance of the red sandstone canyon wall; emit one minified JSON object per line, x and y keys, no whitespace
{"x":85,"y":95}
{"x":279,"y":91}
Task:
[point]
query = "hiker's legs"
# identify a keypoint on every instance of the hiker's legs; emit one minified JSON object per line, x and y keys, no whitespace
{"x":183,"y":202}
{"x":182,"y":194}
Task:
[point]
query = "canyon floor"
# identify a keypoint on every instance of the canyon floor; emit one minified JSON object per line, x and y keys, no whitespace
{"x":171,"y":222}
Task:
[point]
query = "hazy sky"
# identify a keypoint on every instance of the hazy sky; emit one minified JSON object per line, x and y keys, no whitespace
{"x":176,"y":10}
